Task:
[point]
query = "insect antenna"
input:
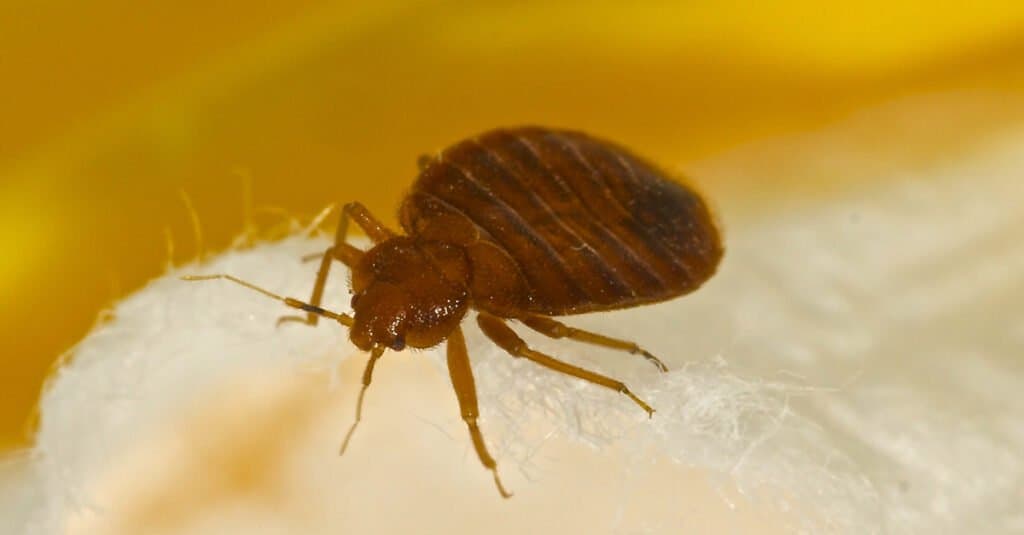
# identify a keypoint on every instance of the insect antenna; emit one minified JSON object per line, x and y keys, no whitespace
{"x":343,"y":319}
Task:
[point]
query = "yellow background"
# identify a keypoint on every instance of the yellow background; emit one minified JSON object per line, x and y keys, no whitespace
{"x":108,"y":109}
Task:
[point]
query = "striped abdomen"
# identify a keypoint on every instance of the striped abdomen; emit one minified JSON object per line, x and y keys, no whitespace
{"x":588,"y":225}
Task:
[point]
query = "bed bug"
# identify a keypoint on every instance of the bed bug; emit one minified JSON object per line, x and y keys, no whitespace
{"x":517,"y":224}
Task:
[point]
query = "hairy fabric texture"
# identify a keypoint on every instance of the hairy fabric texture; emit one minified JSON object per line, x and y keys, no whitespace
{"x":855,"y":367}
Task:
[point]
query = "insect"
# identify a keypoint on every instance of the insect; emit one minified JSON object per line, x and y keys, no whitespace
{"x":517,"y":224}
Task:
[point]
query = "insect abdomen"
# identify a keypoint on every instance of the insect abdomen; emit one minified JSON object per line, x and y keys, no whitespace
{"x":590,"y":226}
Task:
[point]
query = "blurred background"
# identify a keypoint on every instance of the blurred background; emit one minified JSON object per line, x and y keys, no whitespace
{"x":111,"y":109}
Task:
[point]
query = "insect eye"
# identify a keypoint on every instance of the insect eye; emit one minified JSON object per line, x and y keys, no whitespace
{"x":399,"y":343}
{"x":355,"y":299}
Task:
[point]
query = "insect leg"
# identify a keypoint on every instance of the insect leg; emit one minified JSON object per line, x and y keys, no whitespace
{"x":341,"y":251}
{"x":554,"y":329}
{"x":498,"y":331}
{"x":367,"y":377}
{"x":344,"y":252}
{"x":370,"y":225}
{"x":465,"y":390}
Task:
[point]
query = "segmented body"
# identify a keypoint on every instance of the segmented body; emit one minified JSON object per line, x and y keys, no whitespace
{"x":558,"y":222}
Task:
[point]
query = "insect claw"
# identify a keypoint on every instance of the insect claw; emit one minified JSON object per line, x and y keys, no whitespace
{"x":654,"y":360}
{"x":638,"y":401}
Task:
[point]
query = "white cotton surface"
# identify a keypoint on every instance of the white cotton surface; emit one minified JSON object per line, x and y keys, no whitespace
{"x":855,"y":367}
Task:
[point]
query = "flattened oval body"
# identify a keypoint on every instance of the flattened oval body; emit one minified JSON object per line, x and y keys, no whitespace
{"x":558,"y":222}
